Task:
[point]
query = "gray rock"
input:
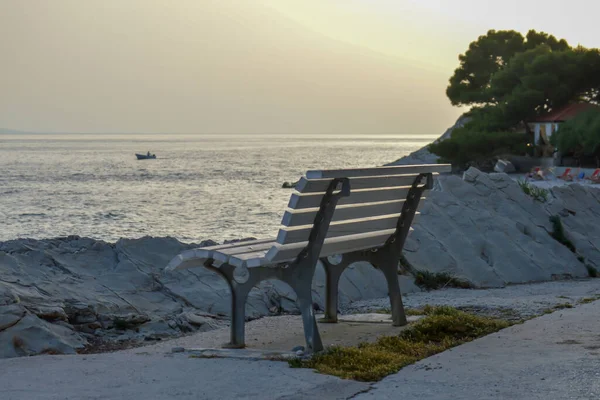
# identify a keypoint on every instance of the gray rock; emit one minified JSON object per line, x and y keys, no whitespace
{"x":10,"y":315}
{"x":289,"y":185}
{"x":120,"y":291}
{"x":484,"y":229}
{"x":32,"y":335}
{"x":504,"y":166}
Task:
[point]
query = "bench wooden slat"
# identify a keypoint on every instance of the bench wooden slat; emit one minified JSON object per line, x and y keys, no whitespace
{"x":368,"y":182}
{"x":286,"y":253}
{"x":307,"y":216}
{"x":196,"y":257}
{"x":336,"y":245}
{"x":235,"y":244}
{"x":250,"y":260}
{"x":224,"y":255}
{"x":300,"y":201}
{"x":378,"y":171}
{"x":287,"y":236}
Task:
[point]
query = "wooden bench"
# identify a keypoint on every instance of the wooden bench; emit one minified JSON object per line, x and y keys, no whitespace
{"x":358,"y":214}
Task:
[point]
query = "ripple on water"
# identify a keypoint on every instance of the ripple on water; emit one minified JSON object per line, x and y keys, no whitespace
{"x":199,"y":187}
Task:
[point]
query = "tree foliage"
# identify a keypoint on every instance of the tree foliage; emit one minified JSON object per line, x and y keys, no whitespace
{"x":580,"y":136}
{"x":509,"y":79}
{"x":490,"y":53}
{"x":467,"y":147}
{"x":540,"y":80}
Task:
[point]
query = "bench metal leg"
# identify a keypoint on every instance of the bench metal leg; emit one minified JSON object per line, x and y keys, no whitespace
{"x":333,"y":273}
{"x":298,"y":277}
{"x":311,"y":331}
{"x":390,"y":271}
{"x":385,"y":262}
{"x":239,"y":295}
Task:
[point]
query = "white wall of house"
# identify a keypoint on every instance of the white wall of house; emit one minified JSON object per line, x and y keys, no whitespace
{"x":548,"y":127}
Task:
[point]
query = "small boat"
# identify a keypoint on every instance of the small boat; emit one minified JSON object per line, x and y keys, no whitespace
{"x":147,"y":156}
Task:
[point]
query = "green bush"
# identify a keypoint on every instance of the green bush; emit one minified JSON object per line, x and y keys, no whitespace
{"x":538,"y":194}
{"x":467,"y":147}
{"x":440,"y":329}
{"x":592,"y":272}
{"x":558,"y":233}
{"x":580,"y":135}
{"x":432,"y":281}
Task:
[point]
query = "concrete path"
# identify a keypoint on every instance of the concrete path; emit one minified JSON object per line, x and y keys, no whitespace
{"x":556,"y":356}
{"x":118,"y":376}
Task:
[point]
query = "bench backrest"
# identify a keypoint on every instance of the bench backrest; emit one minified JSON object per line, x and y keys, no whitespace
{"x":363,"y":220}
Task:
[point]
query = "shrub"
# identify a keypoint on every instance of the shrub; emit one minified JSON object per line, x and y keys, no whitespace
{"x":122,"y":324}
{"x":587,"y":300}
{"x":558,"y":233}
{"x":432,"y":281}
{"x":440,"y":329}
{"x":592,"y":272}
{"x":580,"y":135}
{"x":538,"y":194}
{"x":563,"y":306}
{"x":468,"y":147}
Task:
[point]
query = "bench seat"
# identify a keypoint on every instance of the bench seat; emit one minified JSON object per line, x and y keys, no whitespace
{"x":220,"y":253}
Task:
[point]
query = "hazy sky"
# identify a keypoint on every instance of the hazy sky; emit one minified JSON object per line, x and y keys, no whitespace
{"x":356,"y":66}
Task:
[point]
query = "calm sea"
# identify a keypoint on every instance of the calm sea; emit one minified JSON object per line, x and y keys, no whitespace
{"x":200,"y":186}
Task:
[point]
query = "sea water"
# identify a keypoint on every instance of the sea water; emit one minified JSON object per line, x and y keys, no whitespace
{"x":199,"y":187}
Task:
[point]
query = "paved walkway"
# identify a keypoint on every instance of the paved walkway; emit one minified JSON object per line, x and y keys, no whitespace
{"x":556,"y":356}
{"x":119,"y":376}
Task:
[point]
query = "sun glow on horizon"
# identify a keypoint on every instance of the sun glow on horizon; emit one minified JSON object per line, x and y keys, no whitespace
{"x":354,"y":66}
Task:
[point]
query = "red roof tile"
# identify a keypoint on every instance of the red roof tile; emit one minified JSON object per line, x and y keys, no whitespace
{"x":566,"y":113}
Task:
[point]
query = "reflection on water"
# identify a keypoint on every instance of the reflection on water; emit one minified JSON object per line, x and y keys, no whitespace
{"x":199,"y":187}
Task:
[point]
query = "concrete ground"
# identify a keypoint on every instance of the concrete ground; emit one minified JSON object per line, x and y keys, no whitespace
{"x":556,"y":356}
{"x":118,"y":376}
{"x":283,"y":333}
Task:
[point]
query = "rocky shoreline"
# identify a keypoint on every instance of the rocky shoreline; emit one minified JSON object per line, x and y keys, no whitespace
{"x":72,"y":294}
{"x":67,"y":295}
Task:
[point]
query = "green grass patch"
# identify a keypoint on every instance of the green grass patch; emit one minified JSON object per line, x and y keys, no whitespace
{"x":123,"y":324}
{"x":558,"y":233}
{"x":432,"y":281}
{"x":586,"y":300}
{"x":563,"y":306}
{"x":538,"y":194}
{"x":441,"y":329}
{"x":414,"y":311}
{"x":407,"y":311}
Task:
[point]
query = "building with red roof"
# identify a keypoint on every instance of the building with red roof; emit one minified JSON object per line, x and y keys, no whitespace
{"x":545,"y":125}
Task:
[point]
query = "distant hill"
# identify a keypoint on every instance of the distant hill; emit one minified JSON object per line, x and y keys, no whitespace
{"x":4,"y":131}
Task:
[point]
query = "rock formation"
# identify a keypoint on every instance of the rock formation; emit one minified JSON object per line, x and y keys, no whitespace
{"x":60,"y":295}
{"x":484,"y":229}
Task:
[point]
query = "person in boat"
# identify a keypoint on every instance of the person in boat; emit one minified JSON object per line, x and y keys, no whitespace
{"x":148,"y":154}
